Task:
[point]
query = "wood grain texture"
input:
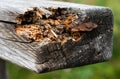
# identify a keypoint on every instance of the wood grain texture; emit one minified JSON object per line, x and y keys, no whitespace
{"x":95,"y":46}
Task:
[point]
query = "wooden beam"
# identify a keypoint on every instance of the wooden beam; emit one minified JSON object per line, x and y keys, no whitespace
{"x":95,"y":46}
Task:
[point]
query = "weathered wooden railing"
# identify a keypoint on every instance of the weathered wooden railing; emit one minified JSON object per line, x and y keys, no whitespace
{"x":95,"y":46}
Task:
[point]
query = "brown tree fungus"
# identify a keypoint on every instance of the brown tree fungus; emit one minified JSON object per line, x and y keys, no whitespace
{"x":56,"y":24}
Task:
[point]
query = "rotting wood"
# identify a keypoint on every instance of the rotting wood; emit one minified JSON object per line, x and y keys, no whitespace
{"x":94,"y":45}
{"x":59,"y":24}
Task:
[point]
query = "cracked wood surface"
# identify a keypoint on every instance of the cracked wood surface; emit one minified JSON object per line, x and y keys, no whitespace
{"x":95,"y":46}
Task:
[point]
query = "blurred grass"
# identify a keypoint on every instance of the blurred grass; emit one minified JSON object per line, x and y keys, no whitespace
{"x":106,"y":70}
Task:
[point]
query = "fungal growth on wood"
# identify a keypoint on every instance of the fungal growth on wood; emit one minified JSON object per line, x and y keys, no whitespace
{"x":56,"y":24}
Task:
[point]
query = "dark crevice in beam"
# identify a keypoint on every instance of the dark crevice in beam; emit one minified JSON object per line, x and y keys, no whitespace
{"x":7,"y":22}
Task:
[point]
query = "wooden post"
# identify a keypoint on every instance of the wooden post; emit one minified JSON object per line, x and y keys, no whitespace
{"x":3,"y":70}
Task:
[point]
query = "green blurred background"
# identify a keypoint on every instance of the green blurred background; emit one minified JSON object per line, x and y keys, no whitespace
{"x":105,"y":70}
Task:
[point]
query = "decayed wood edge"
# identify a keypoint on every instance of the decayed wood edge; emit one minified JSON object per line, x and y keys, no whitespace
{"x":76,"y":58}
{"x":3,"y":70}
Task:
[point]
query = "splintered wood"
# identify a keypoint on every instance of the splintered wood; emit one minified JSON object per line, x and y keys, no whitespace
{"x":57,"y":24}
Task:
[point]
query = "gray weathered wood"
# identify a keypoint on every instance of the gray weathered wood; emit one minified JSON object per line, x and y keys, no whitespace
{"x":3,"y":70}
{"x":96,"y":46}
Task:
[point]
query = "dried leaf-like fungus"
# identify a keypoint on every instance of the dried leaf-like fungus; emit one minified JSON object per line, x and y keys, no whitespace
{"x":56,"y":24}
